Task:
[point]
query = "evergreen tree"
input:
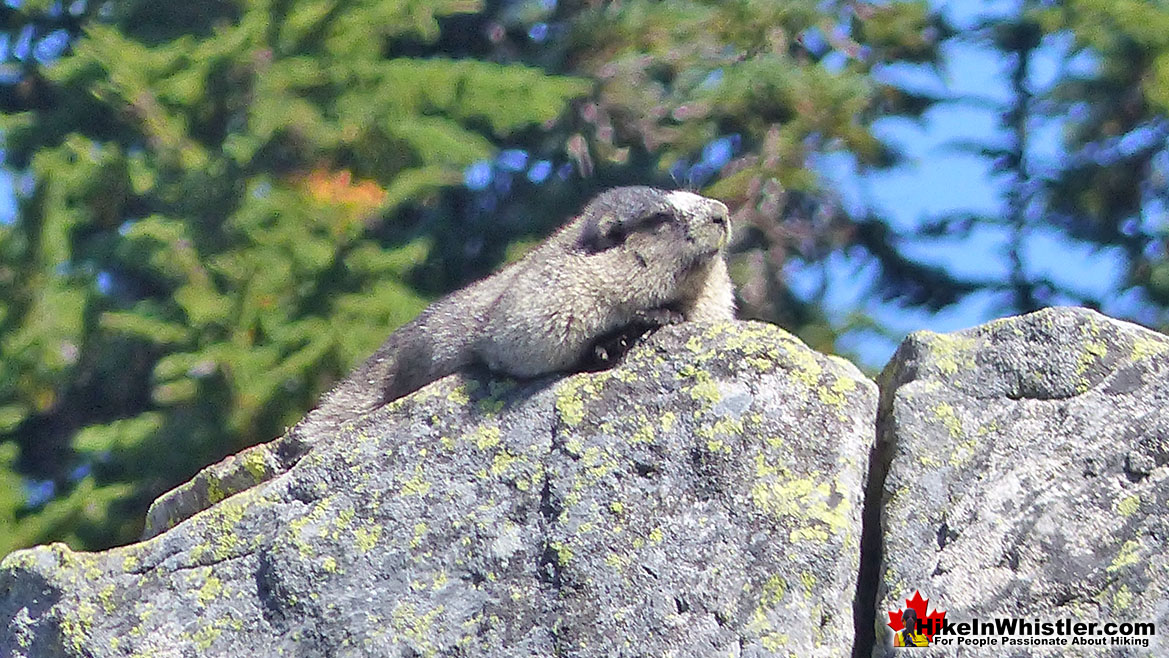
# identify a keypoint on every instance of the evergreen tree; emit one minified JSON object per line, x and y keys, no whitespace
{"x":745,"y":101}
{"x":1111,"y":188}
{"x":1105,"y":186}
{"x":221,"y":205}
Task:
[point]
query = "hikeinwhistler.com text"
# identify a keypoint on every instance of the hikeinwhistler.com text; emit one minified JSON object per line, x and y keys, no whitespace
{"x":1014,"y":632}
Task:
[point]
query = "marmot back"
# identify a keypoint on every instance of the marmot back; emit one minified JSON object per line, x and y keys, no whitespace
{"x":633,"y":255}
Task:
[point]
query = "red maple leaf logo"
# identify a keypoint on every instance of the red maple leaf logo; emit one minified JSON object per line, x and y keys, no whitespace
{"x":932,"y":622}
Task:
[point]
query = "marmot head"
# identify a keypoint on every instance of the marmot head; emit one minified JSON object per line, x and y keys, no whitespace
{"x":655,"y":225}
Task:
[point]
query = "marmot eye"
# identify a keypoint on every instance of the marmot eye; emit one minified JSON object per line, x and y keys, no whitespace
{"x":658,"y":218}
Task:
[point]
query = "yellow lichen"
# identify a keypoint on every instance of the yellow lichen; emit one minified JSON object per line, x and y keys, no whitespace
{"x":706,"y":392}
{"x":836,"y":394}
{"x":1144,"y":347}
{"x":205,"y":637}
{"x":1123,"y":598}
{"x":808,"y":580}
{"x":695,"y":344}
{"x":644,"y":434}
{"x":76,"y":627}
{"x":563,"y":552}
{"x":220,"y":522}
{"x":1126,"y":557}
{"x":297,"y":529}
{"x":254,"y":463}
{"x":417,"y":485}
{"x":807,"y":368}
{"x":774,"y":641}
{"x":717,"y":445}
{"x":1094,"y":352}
{"x":211,"y":589}
{"x":367,"y":538}
{"x":949,"y":418}
{"x":759,"y":363}
{"x":106,"y":598}
{"x":781,"y":494}
{"x":668,"y":421}
{"x":773,"y":591}
{"x":618,"y":562}
{"x":950,"y":352}
{"x":485,"y":438}
{"x":808,"y":533}
{"x":964,"y":450}
{"x":420,"y":529}
{"x":417,"y":629}
{"x":215,"y":493}
{"x":459,"y":395}
{"x":503,"y":461}
{"x":1128,"y":506}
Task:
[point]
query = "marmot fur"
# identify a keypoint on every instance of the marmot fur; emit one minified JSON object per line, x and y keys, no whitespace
{"x":633,"y":255}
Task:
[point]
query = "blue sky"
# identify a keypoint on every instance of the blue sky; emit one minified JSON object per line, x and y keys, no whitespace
{"x":939,"y":178}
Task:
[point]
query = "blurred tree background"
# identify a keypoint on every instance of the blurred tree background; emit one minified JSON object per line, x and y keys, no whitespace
{"x":221,"y":206}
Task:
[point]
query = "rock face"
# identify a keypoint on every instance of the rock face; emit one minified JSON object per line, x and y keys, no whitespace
{"x":1024,"y":472}
{"x":703,"y":498}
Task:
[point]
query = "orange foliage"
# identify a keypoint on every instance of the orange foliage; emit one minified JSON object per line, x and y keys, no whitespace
{"x":338,"y":188}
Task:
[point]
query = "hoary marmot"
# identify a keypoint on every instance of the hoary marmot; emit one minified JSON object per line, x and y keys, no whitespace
{"x":634,"y":255}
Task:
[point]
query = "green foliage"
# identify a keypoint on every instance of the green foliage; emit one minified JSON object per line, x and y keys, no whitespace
{"x":1111,"y":187}
{"x":216,"y":226}
{"x":223,"y":205}
{"x":787,"y":83}
{"x":1107,"y":187}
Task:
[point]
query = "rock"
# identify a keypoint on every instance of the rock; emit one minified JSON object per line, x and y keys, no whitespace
{"x":702,"y":498}
{"x":236,"y":473}
{"x":1023,"y":469}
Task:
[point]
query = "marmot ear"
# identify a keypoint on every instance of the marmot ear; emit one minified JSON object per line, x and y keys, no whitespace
{"x":602,"y":233}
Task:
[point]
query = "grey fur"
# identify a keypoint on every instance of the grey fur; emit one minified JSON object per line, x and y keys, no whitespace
{"x":634,"y":254}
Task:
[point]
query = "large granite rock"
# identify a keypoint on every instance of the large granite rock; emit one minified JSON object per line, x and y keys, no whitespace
{"x":1024,"y":476}
{"x":701,"y":499}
